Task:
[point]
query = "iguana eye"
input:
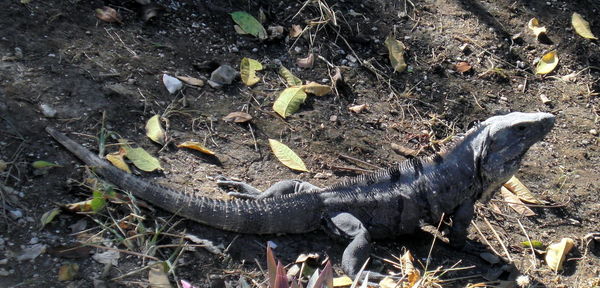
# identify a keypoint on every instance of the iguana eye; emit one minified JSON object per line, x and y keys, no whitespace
{"x":521,"y":127}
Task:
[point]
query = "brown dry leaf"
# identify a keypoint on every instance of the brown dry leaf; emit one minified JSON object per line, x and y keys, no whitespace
{"x":83,"y":206}
{"x":462,"y":67}
{"x":404,"y":151}
{"x":237,"y":117}
{"x":515,"y":186}
{"x":408,"y":269}
{"x":118,"y":160}
{"x":108,"y":14}
{"x":195,"y":146}
{"x":556,"y":253}
{"x":191,"y":81}
{"x":316,"y":89}
{"x":68,"y":272}
{"x":538,"y":30}
{"x":157,"y":277}
{"x":582,"y":27}
{"x":295,"y":31}
{"x":515,"y":203}
{"x":305,"y":257}
{"x":396,"y":53}
{"x":358,"y":108}
{"x":306,"y":62}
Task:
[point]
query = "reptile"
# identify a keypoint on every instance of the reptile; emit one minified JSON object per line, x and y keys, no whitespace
{"x":386,"y":204}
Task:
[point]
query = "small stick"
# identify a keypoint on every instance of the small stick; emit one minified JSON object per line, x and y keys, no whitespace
{"x":484,"y":239}
{"x":530,"y":244}
{"x":344,"y":168}
{"x":359,"y":161}
{"x":499,"y":240}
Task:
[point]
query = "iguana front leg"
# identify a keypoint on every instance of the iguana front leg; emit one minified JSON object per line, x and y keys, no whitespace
{"x":346,"y":226}
{"x":461,"y":220}
{"x":246,"y":191}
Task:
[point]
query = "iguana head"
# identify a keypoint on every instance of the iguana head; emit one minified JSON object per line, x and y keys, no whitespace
{"x":502,"y":142}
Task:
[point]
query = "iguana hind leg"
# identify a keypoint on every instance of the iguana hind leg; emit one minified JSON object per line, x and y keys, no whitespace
{"x":246,"y":191}
{"x":344,"y":225}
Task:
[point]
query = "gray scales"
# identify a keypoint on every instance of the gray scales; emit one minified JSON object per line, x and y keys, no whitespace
{"x":386,"y":204}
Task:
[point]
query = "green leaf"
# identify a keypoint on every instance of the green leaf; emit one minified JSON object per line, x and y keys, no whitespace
{"x":155,"y":131}
{"x":286,"y":156}
{"x":49,"y":216}
{"x":248,"y":68}
{"x":534,"y":243}
{"x":249,"y":24}
{"x":289,"y":101}
{"x":396,"y":53}
{"x":289,"y":77}
{"x":141,"y":159}
{"x":44,"y":164}
{"x":98,"y":201}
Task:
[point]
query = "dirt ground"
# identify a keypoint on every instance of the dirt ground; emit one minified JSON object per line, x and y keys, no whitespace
{"x":56,"y":55}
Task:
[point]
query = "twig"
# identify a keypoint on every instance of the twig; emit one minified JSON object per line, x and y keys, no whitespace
{"x":499,"y":239}
{"x":122,"y":251}
{"x":484,"y":238}
{"x":352,"y":169}
{"x":530,"y":245}
{"x":359,"y":161}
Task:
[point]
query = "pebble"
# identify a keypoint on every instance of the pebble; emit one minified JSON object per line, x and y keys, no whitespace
{"x":224,"y":75}
{"x":48,"y":111}
{"x":16,"y":214}
{"x":594,"y":132}
{"x":351,"y":58}
{"x":344,"y":62}
{"x":545,"y":99}
{"x":298,"y":49}
{"x":254,"y":50}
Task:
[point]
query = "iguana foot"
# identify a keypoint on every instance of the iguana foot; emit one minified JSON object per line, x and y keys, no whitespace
{"x":346,"y":226}
{"x":246,"y":191}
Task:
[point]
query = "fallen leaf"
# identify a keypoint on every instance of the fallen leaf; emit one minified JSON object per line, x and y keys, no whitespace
{"x":195,"y":146}
{"x":408,"y":269}
{"x":275,"y":32}
{"x":307,"y":257}
{"x":396,"y":53}
{"x":49,"y":216}
{"x":141,"y":159}
{"x":547,"y":63}
{"x":342,"y":281}
{"x":191,"y":81}
{"x":237,"y":117}
{"x":248,"y":68}
{"x":582,"y":27}
{"x":157,"y":276}
{"x":515,"y":186}
{"x":117,"y":159}
{"x":404,"y":151}
{"x":82,"y":206}
{"x":358,"y":108}
{"x":108,"y":14}
{"x":44,"y":164}
{"x":296,"y":31}
{"x":515,"y":203}
{"x":538,"y":30}
{"x":155,"y":131}
{"x":239,"y":30}
{"x":289,"y":101}
{"x":171,"y":83}
{"x":557,"y":253}
{"x":98,"y":200}
{"x":316,"y":89}
{"x":75,"y":251}
{"x":533,"y":244}
{"x":68,"y":272}
{"x":286,"y":156}
{"x":107,"y":257}
{"x":249,"y":24}
{"x":306,"y":62}
{"x":289,"y":77}
{"x":3,"y":166}
{"x":462,"y":67}
{"x":388,"y":282}
{"x":186,"y":284}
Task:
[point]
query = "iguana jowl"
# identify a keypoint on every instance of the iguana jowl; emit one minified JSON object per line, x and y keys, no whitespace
{"x":385,"y":204}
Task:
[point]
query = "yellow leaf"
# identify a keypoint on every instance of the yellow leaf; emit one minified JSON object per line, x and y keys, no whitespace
{"x":289,"y":77}
{"x":515,"y":186}
{"x":289,"y":101}
{"x":388,"y":282}
{"x":191,"y":80}
{"x":195,"y":146}
{"x":581,"y":26}
{"x":342,"y":281}
{"x":141,"y":159}
{"x":316,"y":89}
{"x":248,"y":69}
{"x":547,"y":63}
{"x":557,"y":253}
{"x":155,"y":131}
{"x":118,"y":160}
{"x":157,"y":277}
{"x":515,"y":203}
{"x":396,"y":53}
{"x":68,"y":272}
{"x":536,"y":28}
{"x":83,"y":206}
{"x":286,"y":156}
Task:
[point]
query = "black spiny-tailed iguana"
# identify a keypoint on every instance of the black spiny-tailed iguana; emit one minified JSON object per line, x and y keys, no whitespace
{"x":392,"y":202}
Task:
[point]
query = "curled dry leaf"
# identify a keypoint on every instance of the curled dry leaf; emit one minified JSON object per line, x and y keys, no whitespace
{"x":117,"y":159}
{"x":462,"y":67}
{"x":316,"y":89}
{"x":49,"y":216}
{"x":343,"y":281}
{"x":306,"y":62}
{"x":191,"y":81}
{"x":296,"y":31}
{"x":547,"y":63}
{"x":396,"y":53}
{"x":408,"y":269}
{"x":515,"y":203}
{"x":582,"y":27}
{"x":358,"y":108}
{"x":108,"y":14}
{"x":557,"y":253}
{"x":248,"y":68}
{"x":195,"y":146}
{"x":68,"y":272}
{"x":157,"y":277}
{"x":286,"y":156}
{"x":155,"y":131}
{"x":538,"y":30}
{"x":289,"y":77}
{"x":237,"y":117}
{"x":515,"y":186}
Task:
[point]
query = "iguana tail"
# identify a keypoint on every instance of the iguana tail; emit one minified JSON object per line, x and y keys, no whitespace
{"x":295,"y":213}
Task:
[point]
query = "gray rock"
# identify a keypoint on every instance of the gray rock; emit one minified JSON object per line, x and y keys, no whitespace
{"x":224,"y":75}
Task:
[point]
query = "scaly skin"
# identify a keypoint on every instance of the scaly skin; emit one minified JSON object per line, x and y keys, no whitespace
{"x":385,"y":204}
